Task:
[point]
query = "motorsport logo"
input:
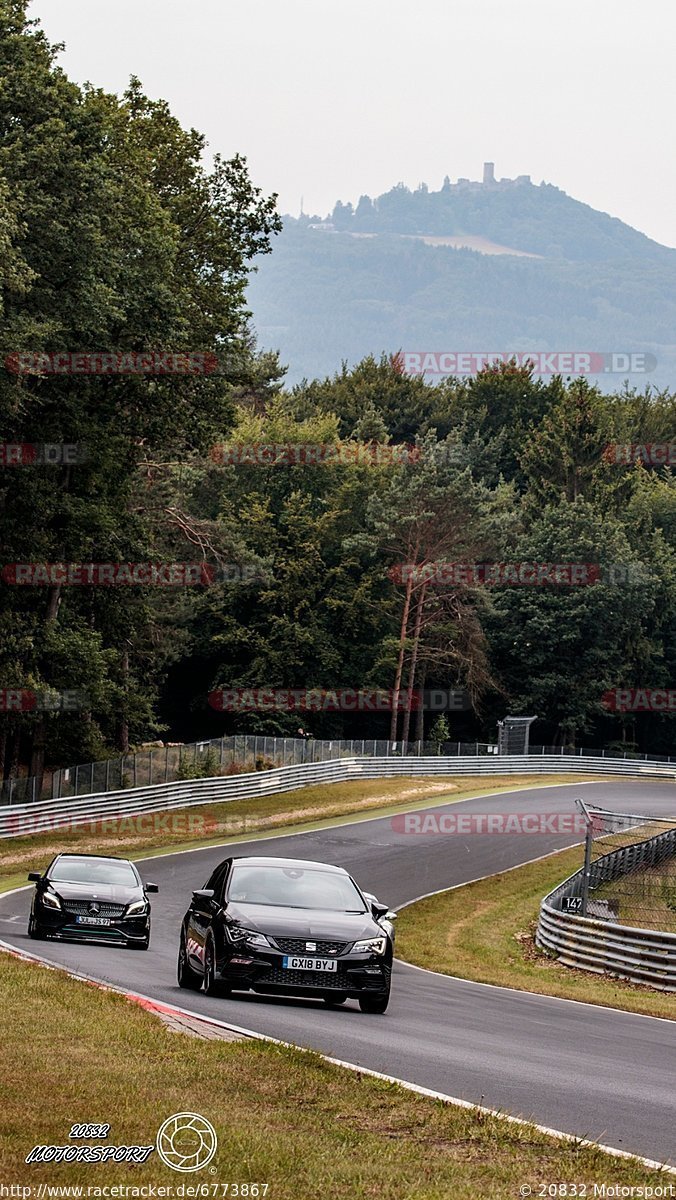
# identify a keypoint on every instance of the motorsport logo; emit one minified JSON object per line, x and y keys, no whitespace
{"x":185,"y":1142}
{"x":542,"y":362}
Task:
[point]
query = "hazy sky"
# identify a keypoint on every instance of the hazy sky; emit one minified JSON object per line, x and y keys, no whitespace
{"x":330,"y":100}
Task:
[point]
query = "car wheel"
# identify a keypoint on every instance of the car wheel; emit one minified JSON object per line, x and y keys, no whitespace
{"x":374,"y":1004}
{"x":187,"y":978}
{"x":212,"y":985}
{"x":34,"y":930}
{"x":334,"y":1001}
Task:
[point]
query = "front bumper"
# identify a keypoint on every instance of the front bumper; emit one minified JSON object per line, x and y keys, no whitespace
{"x":249,"y":969}
{"x":63,"y":926}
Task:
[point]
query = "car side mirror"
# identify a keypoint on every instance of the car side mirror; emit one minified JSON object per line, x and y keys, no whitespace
{"x":391,"y":916}
{"x":34,"y":876}
{"x":378,"y":910}
{"x":151,"y":887}
{"x":203,"y":894}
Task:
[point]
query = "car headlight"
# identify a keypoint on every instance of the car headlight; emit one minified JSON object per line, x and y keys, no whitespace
{"x":255,"y":939}
{"x":374,"y":945}
{"x":50,"y":900}
{"x":250,"y":936}
{"x":137,"y":909}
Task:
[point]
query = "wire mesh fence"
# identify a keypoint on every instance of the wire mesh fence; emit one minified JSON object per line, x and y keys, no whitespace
{"x":629,"y":875}
{"x":219,"y":756}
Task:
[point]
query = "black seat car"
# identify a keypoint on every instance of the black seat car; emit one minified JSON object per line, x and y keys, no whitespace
{"x":90,"y":897}
{"x":286,"y":926}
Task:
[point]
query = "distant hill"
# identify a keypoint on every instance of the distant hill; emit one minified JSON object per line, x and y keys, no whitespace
{"x":554,"y":274}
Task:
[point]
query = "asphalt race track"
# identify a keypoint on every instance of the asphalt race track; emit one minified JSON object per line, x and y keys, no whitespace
{"x":594,"y":1072}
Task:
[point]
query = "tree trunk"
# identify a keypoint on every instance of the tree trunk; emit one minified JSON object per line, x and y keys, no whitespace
{"x":37,"y":759}
{"x":420,"y":713}
{"x":413,"y":666}
{"x":400,"y":662}
{"x":123,"y":728}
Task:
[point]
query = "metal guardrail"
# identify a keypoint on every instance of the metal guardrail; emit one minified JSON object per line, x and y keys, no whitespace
{"x":21,"y":820}
{"x":645,"y":956}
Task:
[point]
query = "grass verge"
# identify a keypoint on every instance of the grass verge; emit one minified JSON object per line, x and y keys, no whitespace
{"x":485,"y":931}
{"x":74,"y":1053}
{"x":208,"y":824}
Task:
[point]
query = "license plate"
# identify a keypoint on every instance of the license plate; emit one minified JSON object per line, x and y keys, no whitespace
{"x":296,"y":963}
{"x":92,"y":921}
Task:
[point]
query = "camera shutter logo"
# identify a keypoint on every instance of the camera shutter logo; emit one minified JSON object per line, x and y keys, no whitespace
{"x":186,"y":1142}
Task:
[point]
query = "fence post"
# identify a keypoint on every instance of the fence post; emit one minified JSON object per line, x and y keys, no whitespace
{"x":589,"y":837}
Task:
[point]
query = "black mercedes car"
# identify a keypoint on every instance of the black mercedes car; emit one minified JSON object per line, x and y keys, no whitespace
{"x":288,"y":927}
{"x":89,"y":897}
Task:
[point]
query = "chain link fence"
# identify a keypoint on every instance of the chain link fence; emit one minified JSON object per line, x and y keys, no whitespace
{"x":220,"y":756}
{"x":629,"y":875}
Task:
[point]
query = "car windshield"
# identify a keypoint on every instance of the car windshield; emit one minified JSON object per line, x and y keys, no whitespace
{"x":295,"y":887}
{"x":93,"y":870}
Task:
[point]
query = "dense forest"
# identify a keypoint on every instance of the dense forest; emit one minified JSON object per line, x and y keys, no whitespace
{"x":116,"y":241}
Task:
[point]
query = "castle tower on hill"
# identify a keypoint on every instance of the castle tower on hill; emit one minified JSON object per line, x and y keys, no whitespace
{"x":489,"y":172}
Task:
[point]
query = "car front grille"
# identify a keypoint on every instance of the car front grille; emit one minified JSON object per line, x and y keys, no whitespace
{"x":83,"y":908}
{"x":321,"y":979}
{"x":299,"y":946}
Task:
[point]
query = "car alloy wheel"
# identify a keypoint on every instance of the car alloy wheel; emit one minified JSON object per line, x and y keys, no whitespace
{"x":34,"y":930}
{"x":212,"y":985}
{"x":187,"y":978}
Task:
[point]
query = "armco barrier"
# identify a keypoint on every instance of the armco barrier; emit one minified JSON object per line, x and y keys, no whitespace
{"x":645,"y":956}
{"x":19,"y":820}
